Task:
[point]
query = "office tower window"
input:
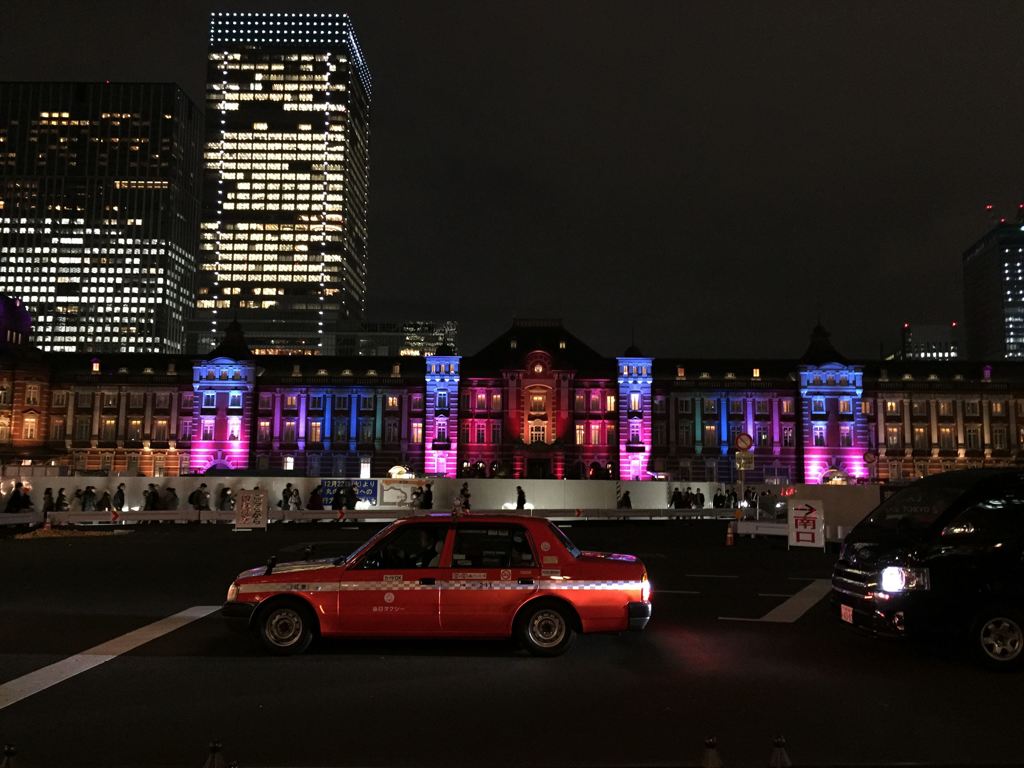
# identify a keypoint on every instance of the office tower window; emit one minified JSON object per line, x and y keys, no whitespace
{"x":100,"y":216}
{"x":284,"y":234}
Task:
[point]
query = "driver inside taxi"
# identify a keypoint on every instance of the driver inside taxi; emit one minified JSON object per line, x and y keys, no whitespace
{"x":428,"y":553}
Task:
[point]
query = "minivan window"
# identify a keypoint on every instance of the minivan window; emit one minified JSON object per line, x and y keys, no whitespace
{"x":997,"y":517}
{"x":916,"y":508}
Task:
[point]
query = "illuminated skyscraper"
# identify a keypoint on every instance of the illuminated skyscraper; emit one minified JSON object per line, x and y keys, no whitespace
{"x":285,"y":200}
{"x":99,"y":212}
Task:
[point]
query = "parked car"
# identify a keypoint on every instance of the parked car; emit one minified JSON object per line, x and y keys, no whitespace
{"x":444,"y":576}
{"x":945,"y":554}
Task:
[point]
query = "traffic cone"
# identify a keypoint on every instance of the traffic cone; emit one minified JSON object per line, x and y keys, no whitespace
{"x":9,"y":753}
{"x":779,"y":758}
{"x":214,"y":759}
{"x":730,"y":535}
{"x":710,"y":757}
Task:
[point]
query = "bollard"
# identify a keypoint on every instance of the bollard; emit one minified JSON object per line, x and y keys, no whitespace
{"x":710,"y":758}
{"x":730,"y":535}
{"x":779,"y":758}
{"x":214,"y":759}
{"x":9,"y":754}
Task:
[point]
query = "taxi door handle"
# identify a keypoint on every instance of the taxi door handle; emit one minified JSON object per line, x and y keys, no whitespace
{"x":526,"y":581}
{"x":428,"y":582}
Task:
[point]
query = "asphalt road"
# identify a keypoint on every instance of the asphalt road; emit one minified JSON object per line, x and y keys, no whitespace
{"x":648,"y":699}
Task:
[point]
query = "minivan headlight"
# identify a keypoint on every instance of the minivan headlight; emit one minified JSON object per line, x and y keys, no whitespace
{"x":899,"y":579}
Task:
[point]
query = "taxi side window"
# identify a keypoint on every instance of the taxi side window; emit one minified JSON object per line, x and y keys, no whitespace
{"x":411,"y":546}
{"x":492,"y":546}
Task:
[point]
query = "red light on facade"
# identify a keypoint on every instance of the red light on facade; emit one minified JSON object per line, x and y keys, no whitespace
{"x":906,"y":325}
{"x":954,"y":323}
{"x":1002,"y":219}
{"x":989,"y":207}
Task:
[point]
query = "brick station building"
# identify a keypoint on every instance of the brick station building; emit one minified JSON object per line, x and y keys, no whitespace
{"x":535,"y":402}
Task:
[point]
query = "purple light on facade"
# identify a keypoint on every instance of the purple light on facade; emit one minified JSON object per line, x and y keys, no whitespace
{"x":834,"y":426}
{"x":635,"y":376}
{"x":221,"y":414}
{"x":441,"y":415}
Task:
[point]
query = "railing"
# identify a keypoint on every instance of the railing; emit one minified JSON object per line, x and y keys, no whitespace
{"x":709,"y":757}
{"x":371,"y":515}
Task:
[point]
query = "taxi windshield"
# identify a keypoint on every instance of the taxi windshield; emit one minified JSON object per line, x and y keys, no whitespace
{"x":365,"y":545}
{"x":566,"y":542}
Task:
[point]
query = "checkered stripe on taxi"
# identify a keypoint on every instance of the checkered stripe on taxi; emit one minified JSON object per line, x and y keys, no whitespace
{"x":560,"y":585}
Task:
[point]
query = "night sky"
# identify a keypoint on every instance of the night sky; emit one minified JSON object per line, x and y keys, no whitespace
{"x":714,"y":174}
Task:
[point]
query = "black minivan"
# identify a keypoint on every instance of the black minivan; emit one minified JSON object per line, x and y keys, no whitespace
{"x":944,"y":554}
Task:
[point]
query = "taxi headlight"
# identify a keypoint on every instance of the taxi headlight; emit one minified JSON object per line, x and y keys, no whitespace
{"x":232,"y":592}
{"x":899,"y":579}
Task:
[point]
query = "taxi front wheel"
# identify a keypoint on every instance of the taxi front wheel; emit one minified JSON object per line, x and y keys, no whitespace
{"x":286,"y":628}
{"x":545,"y":629}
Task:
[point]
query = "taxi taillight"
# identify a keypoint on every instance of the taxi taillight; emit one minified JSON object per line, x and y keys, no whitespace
{"x":645,"y":587}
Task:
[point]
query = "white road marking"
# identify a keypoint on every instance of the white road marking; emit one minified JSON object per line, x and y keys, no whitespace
{"x":657,"y":591}
{"x":711,"y":576}
{"x":795,"y":607}
{"x":47,"y":677}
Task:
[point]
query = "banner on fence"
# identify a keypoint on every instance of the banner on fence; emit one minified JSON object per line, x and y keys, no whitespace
{"x":402,"y":492}
{"x":366,"y":490}
{"x":251,"y":510}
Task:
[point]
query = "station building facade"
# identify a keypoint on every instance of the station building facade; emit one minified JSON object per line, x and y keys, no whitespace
{"x":536,"y":402}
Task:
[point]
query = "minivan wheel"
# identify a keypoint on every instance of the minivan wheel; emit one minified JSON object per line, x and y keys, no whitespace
{"x":286,"y":628}
{"x":999,"y":638}
{"x":545,"y":629}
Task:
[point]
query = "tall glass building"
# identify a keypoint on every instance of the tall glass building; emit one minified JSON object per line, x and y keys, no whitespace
{"x":99,"y":212}
{"x":283,"y":242}
{"x":994,"y":293}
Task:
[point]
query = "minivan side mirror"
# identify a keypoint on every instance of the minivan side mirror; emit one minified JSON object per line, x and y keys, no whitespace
{"x":963,"y":528}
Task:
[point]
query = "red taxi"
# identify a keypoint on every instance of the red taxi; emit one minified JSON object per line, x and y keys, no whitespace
{"x":439,"y":576}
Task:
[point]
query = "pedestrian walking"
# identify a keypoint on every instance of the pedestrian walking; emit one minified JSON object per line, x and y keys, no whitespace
{"x":338,"y":499}
{"x":520,"y":497}
{"x":464,"y":496}
{"x":294,"y":501}
{"x":316,"y":499}
{"x":89,"y":499}
{"x":16,"y":501}
{"x":171,"y":500}
{"x":104,"y":504}
{"x":118,"y":501}
{"x":624,"y":501}
{"x":427,"y":499}
{"x":61,"y":502}
{"x":48,"y":503}
{"x":350,"y":497}
{"x":677,"y":500}
{"x":226,"y":502}
{"x":286,"y":496}
{"x":199,"y":499}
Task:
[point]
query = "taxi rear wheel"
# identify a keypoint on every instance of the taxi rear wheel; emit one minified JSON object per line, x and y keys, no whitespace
{"x":286,"y":628}
{"x":545,"y":629}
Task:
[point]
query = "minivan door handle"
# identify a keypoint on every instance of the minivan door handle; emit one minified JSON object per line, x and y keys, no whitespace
{"x":526,"y":580}
{"x":427,"y":582}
